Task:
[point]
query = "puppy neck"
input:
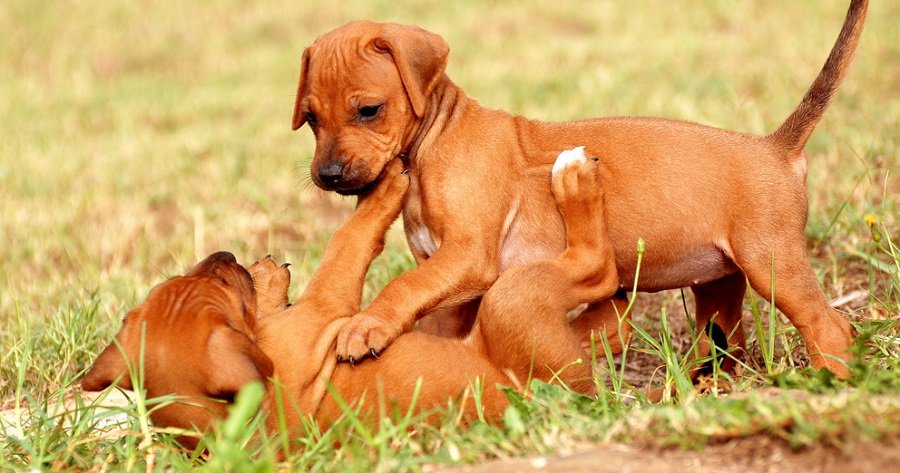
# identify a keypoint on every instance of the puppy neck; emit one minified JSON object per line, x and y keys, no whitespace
{"x":446,"y":105}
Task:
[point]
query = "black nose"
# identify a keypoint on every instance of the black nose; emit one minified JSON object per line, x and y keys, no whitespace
{"x":331,"y":173}
{"x":220,"y":257}
{"x":211,"y":262}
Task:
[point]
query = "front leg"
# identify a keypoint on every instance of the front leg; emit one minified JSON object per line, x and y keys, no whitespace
{"x":336,"y":287}
{"x":459,"y":271}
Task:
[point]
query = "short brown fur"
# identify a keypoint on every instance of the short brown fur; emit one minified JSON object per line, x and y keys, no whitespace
{"x":292,"y":350}
{"x":716,"y":208}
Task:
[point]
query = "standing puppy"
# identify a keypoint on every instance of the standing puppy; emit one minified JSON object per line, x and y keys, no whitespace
{"x":480,"y":199}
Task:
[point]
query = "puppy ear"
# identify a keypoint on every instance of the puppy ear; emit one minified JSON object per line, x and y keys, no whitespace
{"x":109,"y":367}
{"x":234,"y":361}
{"x":299,"y":116}
{"x":420,"y":57}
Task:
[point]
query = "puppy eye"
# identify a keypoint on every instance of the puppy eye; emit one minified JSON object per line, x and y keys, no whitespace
{"x":311,"y":118}
{"x":369,"y":112}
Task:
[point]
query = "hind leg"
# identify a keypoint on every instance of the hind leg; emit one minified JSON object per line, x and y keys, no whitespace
{"x":606,"y":318}
{"x":799,"y":297}
{"x":718,"y":312}
{"x":522,"y":325}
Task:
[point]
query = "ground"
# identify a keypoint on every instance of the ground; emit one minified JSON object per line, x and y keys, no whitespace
{"x":759,"y":453}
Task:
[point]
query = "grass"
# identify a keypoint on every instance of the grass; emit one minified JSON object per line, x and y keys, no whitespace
{"x":139,"y":137}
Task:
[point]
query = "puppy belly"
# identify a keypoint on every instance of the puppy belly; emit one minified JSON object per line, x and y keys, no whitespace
{"x":663,"y":269}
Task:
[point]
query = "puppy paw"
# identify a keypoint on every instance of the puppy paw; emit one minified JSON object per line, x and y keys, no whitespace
{"x":569,"y":157}
{"x":271,"y":282}
{"x":365,"y":336}
{"x":575,"y":181}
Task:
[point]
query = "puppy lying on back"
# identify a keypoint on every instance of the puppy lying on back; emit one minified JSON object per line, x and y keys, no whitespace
{"x":198,"y":336}
{"x":208,"y":333}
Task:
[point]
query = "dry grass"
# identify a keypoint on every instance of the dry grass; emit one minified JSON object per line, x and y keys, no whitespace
{"x":138,"y":137}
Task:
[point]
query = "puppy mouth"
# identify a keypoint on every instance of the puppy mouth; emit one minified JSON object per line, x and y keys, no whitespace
{"x":353,"y":188}
{"x":354,"y":182}
{"x":352,"y":185}
{"x":360,"y":189}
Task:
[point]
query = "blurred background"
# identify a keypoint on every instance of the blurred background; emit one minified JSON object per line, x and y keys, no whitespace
{"x":139,"y":136}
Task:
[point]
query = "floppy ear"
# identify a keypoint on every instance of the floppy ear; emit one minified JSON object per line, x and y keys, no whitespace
{"x":234,"y":361}
{"x":420,"y":57}
{"x":108,"y":368}
{"x":299,"y":117}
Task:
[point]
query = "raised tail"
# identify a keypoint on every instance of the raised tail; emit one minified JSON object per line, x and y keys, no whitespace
{"x":793,"y":134}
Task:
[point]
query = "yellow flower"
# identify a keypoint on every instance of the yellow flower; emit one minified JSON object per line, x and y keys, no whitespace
{"x":872,"y":222}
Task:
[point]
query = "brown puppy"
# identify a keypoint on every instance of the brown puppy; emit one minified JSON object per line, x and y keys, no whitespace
{"x":716,"y":208}
{"x":202,"y":339}
{"x":197,"y":333}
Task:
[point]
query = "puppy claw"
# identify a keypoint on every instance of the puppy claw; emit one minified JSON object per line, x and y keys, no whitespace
{"x":286,"y":265}
{"x":365,"y":336}
{"x":351,"y":360}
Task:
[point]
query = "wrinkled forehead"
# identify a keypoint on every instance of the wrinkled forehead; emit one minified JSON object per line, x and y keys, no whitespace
{"x":354,"y":35}
{"x":341,"y":67}
{"x":189,"y":299}
{"x":184,"y":295}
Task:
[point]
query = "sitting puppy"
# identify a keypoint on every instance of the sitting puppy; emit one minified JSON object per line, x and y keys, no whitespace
{"x":206,"y":334}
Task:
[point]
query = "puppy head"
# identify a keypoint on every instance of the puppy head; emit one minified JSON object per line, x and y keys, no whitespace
{"x":363,"y":87}
{"x":196,"y":334}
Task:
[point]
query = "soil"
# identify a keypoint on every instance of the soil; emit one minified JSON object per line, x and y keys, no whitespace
{"x":744,"y":455}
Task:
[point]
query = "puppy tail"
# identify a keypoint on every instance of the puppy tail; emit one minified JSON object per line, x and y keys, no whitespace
{"x":795,"y":131}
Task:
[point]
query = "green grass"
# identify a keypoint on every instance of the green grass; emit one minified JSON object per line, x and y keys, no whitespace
{"x":139,"y":137}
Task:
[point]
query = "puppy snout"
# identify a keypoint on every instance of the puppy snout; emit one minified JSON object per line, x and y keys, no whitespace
{"x":221,"y":258}
{"x":331,"y":173}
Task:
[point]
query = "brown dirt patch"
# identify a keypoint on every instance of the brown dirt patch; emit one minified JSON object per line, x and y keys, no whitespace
{"x":746,"y":455}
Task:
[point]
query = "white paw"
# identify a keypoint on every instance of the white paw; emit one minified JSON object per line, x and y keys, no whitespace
{"x":568,"y":157}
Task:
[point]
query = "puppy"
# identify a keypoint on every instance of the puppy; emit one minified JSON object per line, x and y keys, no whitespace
{"x":206,"y":334}
{"x":197,"y":336}
{"x":716,"y":208}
